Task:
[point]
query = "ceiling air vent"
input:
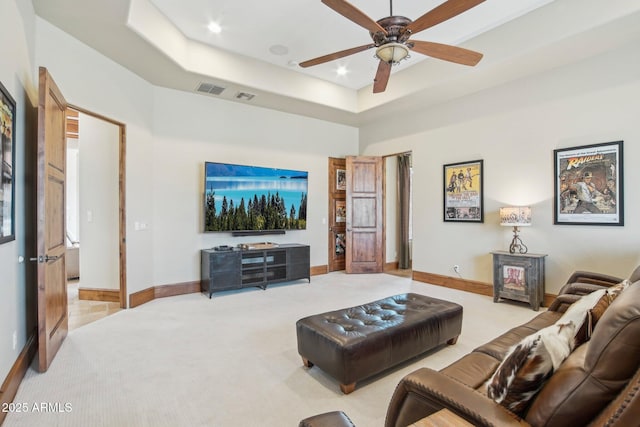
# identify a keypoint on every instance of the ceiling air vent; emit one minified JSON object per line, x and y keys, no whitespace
{"x":210,"y":88}
{"x":244,"y":96}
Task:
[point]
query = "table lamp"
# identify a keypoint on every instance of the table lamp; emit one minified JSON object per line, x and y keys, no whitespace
{"x":516,"y":216}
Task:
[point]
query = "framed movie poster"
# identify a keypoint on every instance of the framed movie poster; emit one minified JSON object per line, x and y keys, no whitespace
{"x":463,"y":192}
{"x":341,"y":243}
{"x":341,"y":179}
{"x":589,"y":185}
{"x":341,"y":211}
{"x":7,"y":157}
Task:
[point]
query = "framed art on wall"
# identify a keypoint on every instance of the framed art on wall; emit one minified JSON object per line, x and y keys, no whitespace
{"x":7,"y":157}
{"x":463,"y":192}
{"x":589,"y":186}
{"x":341,"y":211}
{"x":341,"y":243}
{"x":341,"y":180}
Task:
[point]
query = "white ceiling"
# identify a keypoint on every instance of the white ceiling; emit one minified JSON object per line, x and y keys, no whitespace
{"x":167,"y":43}
{"x":308,"y":29}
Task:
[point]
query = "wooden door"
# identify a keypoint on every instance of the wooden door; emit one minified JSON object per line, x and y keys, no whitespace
{"x":51,"y":177}
{"x":365,"y":210}
{"x":337,"y":213}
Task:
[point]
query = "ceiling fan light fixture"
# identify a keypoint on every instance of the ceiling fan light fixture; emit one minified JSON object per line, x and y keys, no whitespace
{"x":392,"y":53}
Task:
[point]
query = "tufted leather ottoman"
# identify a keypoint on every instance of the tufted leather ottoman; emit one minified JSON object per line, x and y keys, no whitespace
{"x":355,"y":343}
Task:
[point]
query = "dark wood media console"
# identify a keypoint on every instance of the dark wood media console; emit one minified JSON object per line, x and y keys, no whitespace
{"x":243,"y":268}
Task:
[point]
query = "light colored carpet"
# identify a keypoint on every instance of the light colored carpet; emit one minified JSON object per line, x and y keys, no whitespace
{"x":231,"y":360}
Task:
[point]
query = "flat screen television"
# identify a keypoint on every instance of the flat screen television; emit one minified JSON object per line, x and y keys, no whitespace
{"x":254,"y":200}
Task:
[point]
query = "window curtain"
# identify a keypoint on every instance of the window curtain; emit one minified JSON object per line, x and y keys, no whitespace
{"x":404,"y":196}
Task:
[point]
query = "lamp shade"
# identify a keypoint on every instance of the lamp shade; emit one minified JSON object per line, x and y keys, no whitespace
{"x":515,"y":216}
{"x":392,"y":52}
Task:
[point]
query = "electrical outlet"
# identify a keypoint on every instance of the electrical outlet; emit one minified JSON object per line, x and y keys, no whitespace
{"x":456,"y":268}
{"x":15,"y":339}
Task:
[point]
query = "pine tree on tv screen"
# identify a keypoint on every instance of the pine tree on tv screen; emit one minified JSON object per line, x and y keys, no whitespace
{"x":241,"y":198}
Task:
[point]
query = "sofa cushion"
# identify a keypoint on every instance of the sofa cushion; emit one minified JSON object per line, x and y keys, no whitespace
{"x":473,"y":369}
{"x":498,"y":347}
{"x":542,"y":320}
{"x":597,"y":371}
{"x":529,"y":364}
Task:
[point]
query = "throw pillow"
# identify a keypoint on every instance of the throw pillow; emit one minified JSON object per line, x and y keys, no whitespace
{"x":586,"y":312}
{"x":528,"y":365}
{"x":578,"y":313}
{"x":617,"y":289}
{"x":595,"y":313}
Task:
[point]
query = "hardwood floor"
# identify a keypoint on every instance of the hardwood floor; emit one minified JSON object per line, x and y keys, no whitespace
{"x":82,"y":312}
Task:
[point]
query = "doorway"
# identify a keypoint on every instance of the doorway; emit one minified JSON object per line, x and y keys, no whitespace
{"x":337,"y":213}
{"x":398,"y":217}
{"x":96,"y":284}
{"x":399,"y":214}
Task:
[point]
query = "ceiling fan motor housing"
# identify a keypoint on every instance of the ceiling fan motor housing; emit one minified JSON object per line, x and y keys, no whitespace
{"x":396,"y":30}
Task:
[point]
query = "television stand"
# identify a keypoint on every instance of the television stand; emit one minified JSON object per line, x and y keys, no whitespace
{"x":244,"y":268}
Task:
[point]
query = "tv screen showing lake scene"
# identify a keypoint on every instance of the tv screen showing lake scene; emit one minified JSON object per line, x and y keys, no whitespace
{"x":239,"y":198}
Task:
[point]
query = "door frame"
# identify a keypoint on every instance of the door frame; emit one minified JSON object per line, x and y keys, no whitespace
{"x":336,"y":261}
{"x":393,"y":265}
{"x":370,"y":196}
{"x":122,"y":212}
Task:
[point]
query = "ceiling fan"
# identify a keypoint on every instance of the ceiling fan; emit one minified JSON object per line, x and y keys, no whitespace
{"x":391,"y":35}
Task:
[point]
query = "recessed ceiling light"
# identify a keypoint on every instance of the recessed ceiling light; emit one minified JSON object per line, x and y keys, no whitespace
{"x":214,"y":27}
{"x":278,"y":49}
{"x":342,"y":70}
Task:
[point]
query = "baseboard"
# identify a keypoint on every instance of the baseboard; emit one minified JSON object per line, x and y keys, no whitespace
{"x":177,"y":289}
{"x":17,"y":372}
{"x":466,"y":285}
{"x":390,"y":266}
{"x":473,"y":286}
{"x":96,"y":294}
{"x":162,"y":291}
{"x":319,"y":269}
{"x":141,"y":297}
{"x":548,"y":299}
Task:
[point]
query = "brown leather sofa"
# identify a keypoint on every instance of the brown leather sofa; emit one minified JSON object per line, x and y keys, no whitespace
{"x":597,"y":385}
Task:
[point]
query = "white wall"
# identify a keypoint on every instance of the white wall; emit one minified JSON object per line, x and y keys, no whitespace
{"x":91,"y":81}
{"x":99,"y":203}
{"x":16,"y":64}
{"x":190,"y":129}
{"x":515,"y":129}
{"x":170,"y":135}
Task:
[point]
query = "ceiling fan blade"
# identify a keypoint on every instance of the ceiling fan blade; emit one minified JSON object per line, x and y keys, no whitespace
{"x":446,"y":52}
{"x":335,"y":55}
{"x":446,"y":10}
{"x":382,"y":77}
{"x":354,"y":14}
